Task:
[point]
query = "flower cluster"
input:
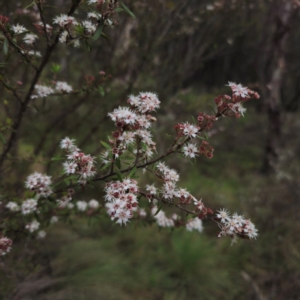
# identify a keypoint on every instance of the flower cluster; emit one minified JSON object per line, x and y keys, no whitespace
{"x":83,"y":205}
{"x":12,"y":206}
{"x":122,"y":199}
{"x":206,"y":149}
{"x":65,"y":201}
{"x":170,"y":190}
{"x":133,"y":125}
{"x":161,"y":219}
{"x":33,"y":226}
{"x":42,"y":91}
{"x":63,"y":87}
{"x":40,"y":184}
{"x":194,"y":224}
{"x":78,"y":163}
{"x":186,"y":129}
{"x":235,"y":225}
{"x":232,"y":106}
{"x":64,"y":20}
{"x":5,"y":245}
{"x":29,"y":206}
{"x":205,"y":122}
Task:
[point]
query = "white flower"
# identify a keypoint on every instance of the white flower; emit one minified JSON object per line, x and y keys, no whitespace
{"x":123,"y":216}
{"x":190,"y":150}
{"x":94,"y":15}
{"x":40,"y":184}
{"x":123,"y":114}
{"x":94,"y":204}
{"x":127,"y":137}
{"x":76,"y":43}
{"x":63,"y":87}
{"x":34,"y":53}
{"x":41,"y":234}
{"x":18,"y":29}
{"x":194,"y":224}
{"x":169,"y":190}
{"x":29,"y":38}
{"x":238,"y":220}
{"x":238,"y":108}
{"x":5,"y":245}
{"x":190,"y":130}
{"x":161,"y":167}
{"x":42,"y":91}
{"x":171,"y":175}
{"x":238,"y":90}
{"x":151,"y":189}
{"x":70,"y":205}
{"x":142,"y":212}
{"x":68,"y":144}
{"x":148,"y":102}
{"x":223,"y":214}
{"x":12,"y":206}
{"x":33,"y":226}
{"x":161,"y":218}
{"x":29,"y":206}
{"x":134,"y":100}
{"x":81,"y":205}
{"x":89,"y":26}
{"x":54,"y":219}
{"x":63,"y":20}
{"x":63,"y":36}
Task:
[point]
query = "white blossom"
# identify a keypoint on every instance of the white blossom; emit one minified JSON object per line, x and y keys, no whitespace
{"x":32,"y":226}
{"x":81,"y":205}
{"x":18,"y":29}
{"x":94,"y":204}
{"x":63,"y":87}
{"x":194,"y":224}
{"x":30,"y":38}
{"x":41,"y":234}
{"x":12,"y":206}
{"x":29,"y":206}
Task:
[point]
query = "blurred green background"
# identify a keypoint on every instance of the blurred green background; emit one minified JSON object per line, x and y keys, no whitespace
{"x":186,"y":51}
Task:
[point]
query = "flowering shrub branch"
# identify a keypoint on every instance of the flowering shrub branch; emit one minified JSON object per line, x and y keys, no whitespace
{"x":130,"y":147}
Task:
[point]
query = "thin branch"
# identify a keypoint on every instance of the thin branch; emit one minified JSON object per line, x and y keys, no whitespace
{"x":17,"y":48}
{"x":38,"y":3}
{"x":25,"y":103}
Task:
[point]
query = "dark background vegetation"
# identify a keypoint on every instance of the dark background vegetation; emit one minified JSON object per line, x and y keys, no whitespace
{"x":186,"y":51}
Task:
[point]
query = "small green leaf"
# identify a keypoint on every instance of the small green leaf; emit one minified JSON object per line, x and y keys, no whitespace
{"x":88,"y":46}
{"x":5,"y":47}
{"x":55,"y":158}
{"x":2,"y":138}
{"x":101,"y":91}
{"x":55,"y":68}
{"x":158,"y":210}
{"x":98,"y":32}
{"x":118,"y":163}
{"x":119,"y":175}
{"x":105,"y":145}
{"x":132,"y":172}
{"x":127,"y":10}
{"x":104,"y":35}
{"x":119,"y":9}
{"x":105,"y":167}
{"x":31,"y":4}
